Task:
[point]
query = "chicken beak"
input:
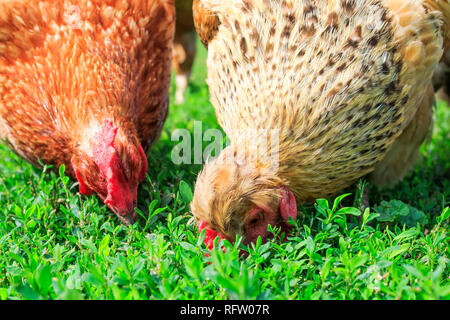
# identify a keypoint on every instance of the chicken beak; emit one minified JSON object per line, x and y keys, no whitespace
{"x":127,"y":219}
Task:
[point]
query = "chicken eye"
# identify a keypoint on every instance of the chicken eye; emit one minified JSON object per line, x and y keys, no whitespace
{"x":256,"y":219}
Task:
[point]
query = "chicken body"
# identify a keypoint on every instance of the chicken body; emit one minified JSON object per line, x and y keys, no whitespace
{"x":84,"y":83}
{"x":184,"y":47}
{"x":344,"y":83}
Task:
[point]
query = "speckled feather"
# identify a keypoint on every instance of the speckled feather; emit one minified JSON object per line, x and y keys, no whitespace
{"x":341,"y":80}
{"x":206,"y":22}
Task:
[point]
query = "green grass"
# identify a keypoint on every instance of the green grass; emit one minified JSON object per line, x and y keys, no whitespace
{"x":57,"y":244}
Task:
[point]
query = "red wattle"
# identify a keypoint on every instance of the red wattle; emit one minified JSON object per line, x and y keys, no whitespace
{"x":81,"y":185}
{"x":120,"y":195}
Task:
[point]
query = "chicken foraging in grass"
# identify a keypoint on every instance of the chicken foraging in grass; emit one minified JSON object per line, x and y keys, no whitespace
{"x":84,"y":83}
{"x":346,"y":83}
{"x":184,"y":47}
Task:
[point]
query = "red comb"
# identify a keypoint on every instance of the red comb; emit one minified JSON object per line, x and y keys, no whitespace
{"x":288,"y":205}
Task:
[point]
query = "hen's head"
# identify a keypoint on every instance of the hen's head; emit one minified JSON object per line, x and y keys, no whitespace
{"x":240,"y":198}
{"x":113,"y":169}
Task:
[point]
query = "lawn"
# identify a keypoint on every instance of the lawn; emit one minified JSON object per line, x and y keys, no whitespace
{"x":58,"y":244}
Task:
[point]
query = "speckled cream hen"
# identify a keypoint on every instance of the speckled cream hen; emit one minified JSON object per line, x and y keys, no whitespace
{"x":184,"y":47}
{"x":84,"y":83}
{"x":347,"y":83}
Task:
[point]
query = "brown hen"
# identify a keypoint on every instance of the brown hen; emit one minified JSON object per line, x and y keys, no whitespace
{"x":84,"y":83}
{"x":346,"y":84}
